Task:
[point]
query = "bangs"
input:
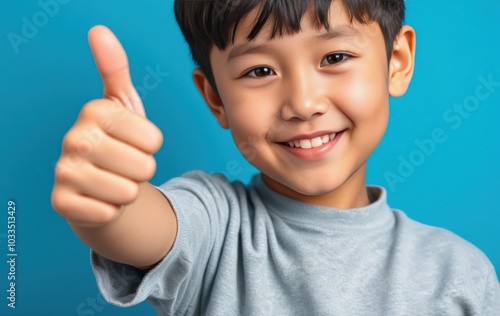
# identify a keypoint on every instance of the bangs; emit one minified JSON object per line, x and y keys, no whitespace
{"x":285,"y":17}
{"x":209,"y":23}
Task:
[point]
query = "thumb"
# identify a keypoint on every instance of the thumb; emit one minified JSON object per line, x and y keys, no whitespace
{"x":112,"y":64}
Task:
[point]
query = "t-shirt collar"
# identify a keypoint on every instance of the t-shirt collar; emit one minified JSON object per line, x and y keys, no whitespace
{"x":376,"y":214}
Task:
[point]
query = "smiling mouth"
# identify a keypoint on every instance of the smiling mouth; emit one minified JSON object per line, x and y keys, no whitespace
{"x":312,"y":142}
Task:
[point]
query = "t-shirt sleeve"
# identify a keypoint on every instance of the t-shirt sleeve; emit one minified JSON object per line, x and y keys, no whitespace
{"x":491,"y":305}
{"x":201,"y":203}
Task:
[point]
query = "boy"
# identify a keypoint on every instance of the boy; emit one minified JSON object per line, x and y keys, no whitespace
{"x":303,"y":86}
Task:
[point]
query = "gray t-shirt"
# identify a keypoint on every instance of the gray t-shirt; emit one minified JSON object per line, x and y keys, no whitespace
{"x":247,"y":250}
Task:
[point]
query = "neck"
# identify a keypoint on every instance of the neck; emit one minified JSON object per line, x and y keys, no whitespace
{"x":348,"y":195}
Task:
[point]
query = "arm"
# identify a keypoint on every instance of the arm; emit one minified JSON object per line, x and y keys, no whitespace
{"x":101,"y":186}
{"x":141,"y":236}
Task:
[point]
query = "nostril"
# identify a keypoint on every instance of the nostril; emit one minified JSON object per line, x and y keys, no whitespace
{"x":303,"y":111}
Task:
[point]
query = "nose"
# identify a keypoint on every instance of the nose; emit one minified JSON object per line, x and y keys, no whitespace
{"x":303,"y":97}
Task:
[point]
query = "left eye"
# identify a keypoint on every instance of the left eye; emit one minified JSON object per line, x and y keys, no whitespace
{"x":334,"y":59}
{"x":260,"y":72}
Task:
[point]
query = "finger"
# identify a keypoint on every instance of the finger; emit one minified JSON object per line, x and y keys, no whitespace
{"x":106,"y":186}
{"x":112,"y":64}
{"x":114,"y":120}
{"x":82,"y":210}
{"x":123,"y":160}
{"x":88,"y":180}
{"x":127,"y":127}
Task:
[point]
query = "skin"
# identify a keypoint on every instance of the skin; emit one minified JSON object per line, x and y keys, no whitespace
{"x":296,"y":85}
{"x":271,"y":91}
{"x":101,"y":186}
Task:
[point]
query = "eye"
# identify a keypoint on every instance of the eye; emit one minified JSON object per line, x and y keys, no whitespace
{"x":260,"y":72}
{"x":335,"y":58}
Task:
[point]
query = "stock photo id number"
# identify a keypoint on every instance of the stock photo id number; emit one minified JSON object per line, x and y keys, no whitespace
{"x":11,"y":253}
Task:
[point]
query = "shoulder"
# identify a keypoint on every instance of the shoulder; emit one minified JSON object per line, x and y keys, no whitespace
{"x":196,"y":177}
{"x":452,"y":271}
{"x":439,"y":241}
{"x":204,"y":184}
{"x":212,"y":195}
{"x":441,"y":252}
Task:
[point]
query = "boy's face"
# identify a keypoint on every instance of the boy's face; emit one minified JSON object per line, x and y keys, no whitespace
{"x":306,"y":109}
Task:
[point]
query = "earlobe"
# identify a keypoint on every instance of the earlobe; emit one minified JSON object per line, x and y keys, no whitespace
{"x":211,"y":97}
{"x":402,"y":61}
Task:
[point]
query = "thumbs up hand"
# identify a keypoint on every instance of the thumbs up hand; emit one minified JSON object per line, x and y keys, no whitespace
{"x":109,"y":150}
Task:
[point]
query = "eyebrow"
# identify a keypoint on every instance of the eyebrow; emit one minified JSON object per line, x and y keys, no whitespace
{"x":340,"y":31}
{"x":247,"y":48}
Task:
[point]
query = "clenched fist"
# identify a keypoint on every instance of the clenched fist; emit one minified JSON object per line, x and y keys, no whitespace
{"x":109,"y":150}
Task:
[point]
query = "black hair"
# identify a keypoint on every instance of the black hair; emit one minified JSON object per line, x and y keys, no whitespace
{"x":205,"y":23}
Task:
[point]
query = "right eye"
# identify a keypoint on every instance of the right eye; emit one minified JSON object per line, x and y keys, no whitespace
{"x":260,"y":72}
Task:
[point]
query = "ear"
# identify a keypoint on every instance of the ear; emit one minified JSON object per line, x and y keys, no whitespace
{"x":402,"y":61}
{"x":211,"y":97}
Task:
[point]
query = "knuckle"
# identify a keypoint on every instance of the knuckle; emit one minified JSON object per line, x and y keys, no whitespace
{"x":60,"y":202}
{"x":69,"y":162}
{"x":155,"y":139}
{"x":71,"y":140}
{"x":148,"y":168}
{"x":82,"y":142}
{"x":158,"y":139}
{"x":106,"y":124}
{"x":97,"y":109}
{"x":93,"y":109}
{"x":64,"y":174}
{"x":106,"y":215}
{"x":60,"y":172}
{"x":129,"y":193}
{"x":103,"y":111}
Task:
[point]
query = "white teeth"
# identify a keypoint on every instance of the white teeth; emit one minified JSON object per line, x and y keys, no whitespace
{"x":312,"y":143}
{"x":316,"y":142}
{"x":305,"y":143}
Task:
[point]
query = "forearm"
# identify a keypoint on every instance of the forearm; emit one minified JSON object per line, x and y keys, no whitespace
{"x":141,"y":236}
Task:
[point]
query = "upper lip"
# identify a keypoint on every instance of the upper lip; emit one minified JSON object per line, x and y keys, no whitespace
{"x":311,"y":136}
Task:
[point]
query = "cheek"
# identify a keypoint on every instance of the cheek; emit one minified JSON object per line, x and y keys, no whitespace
{"x":249,"y":110}
{"x":368,"y":99}
{"x":367,"y":107}
{"x":248,"y":115}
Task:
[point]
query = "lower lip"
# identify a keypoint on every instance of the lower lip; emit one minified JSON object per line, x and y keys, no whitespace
{"x":313,"y":153}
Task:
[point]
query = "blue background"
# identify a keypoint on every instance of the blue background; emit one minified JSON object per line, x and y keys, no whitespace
{"x":45,"y":81}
